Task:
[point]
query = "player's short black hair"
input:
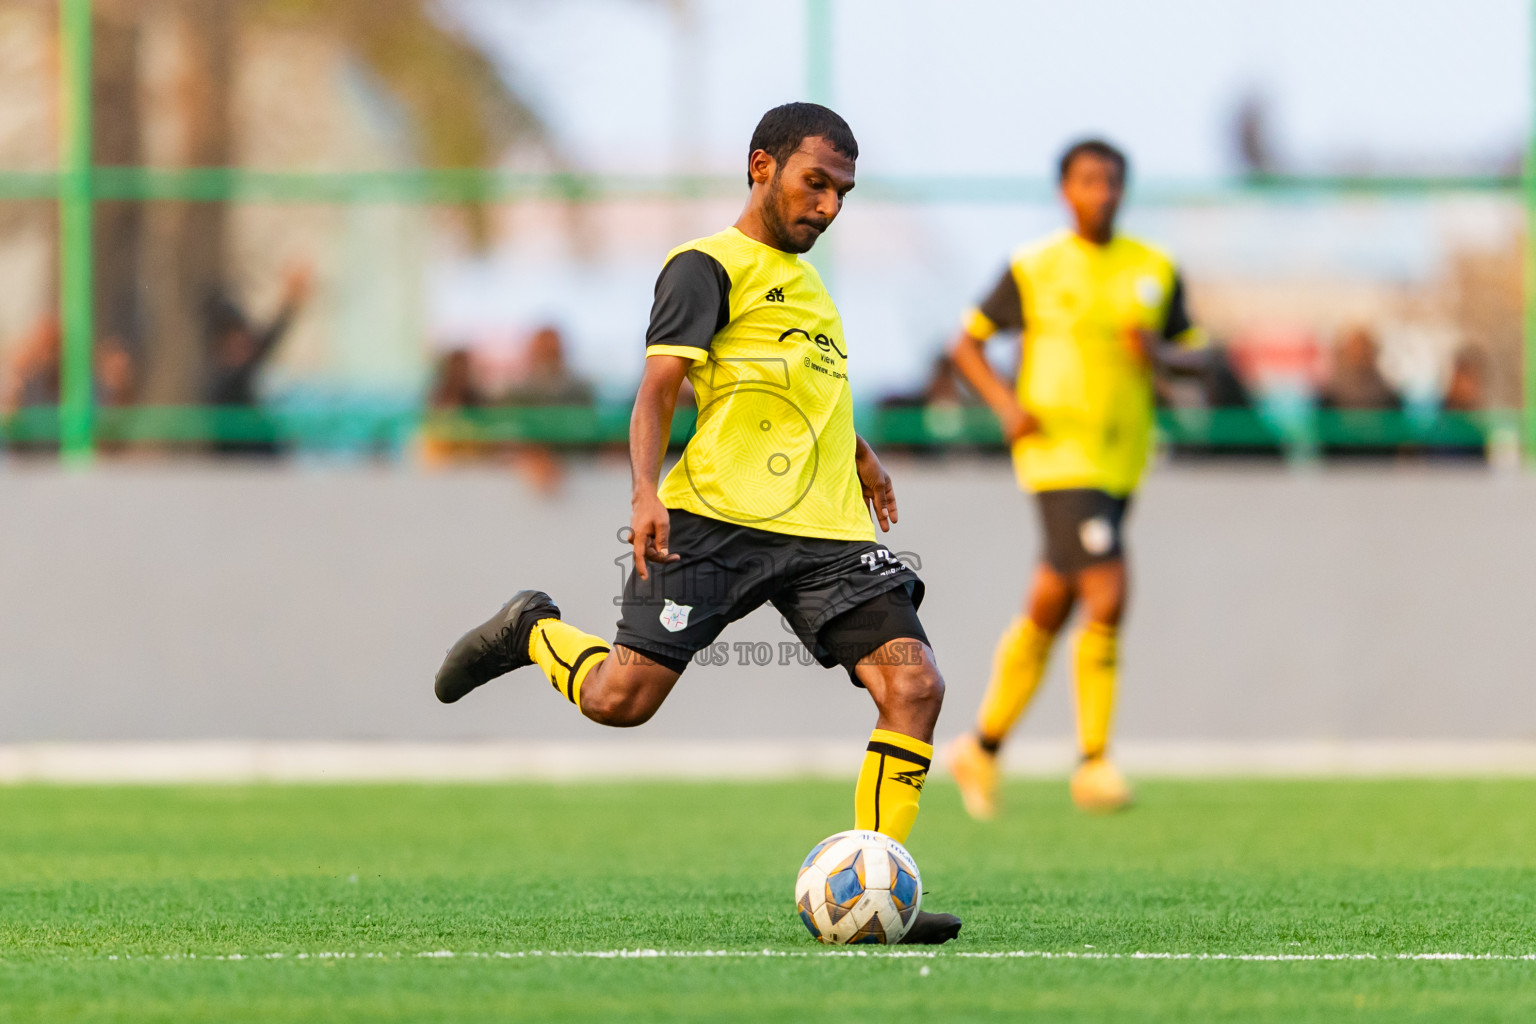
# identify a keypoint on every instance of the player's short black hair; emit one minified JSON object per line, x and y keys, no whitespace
{"x":1092,"y":147}
{"x":783,"y":128}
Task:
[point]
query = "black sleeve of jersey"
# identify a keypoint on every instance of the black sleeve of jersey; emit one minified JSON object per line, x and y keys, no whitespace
{"x":693,"y":301}
{"x":1003,"y":306}
{"x":1177,"y":320}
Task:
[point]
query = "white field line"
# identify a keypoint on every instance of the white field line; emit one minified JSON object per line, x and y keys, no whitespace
{"x":238,"y":761}
{"x":775,"y":954}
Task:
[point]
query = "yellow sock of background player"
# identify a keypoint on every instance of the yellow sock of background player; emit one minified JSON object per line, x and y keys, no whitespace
{"x":1017,"y":668}
{"x":1096,"y":663}
{"x":890,"y":783}
{"x":566,"y":654}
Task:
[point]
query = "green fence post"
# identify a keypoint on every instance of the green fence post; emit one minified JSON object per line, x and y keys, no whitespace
{"x":75,"y":202}
{"x":1528,"y":360}
{"x":818,"y":89}
{"x":818,"y":51}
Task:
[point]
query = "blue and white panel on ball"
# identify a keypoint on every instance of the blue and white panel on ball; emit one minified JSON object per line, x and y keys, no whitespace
{"x":858,"y":887}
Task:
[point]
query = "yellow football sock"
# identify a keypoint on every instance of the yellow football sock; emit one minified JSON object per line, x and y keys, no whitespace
{"x":890,"y":783}
{"x":566,"y":654}
{"x":1017,"y":669}
{"x":1096,"y":670}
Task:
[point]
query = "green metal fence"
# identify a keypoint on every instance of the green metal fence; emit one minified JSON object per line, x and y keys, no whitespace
{"x":78,"y":184}
{"x":391,"y":430}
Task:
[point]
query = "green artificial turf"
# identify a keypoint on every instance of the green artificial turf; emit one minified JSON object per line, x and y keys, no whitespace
{"x":114,"y":902}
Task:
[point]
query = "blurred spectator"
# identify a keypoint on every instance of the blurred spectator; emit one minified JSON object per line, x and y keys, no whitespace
{"x":1229,"y":413}
{"x":1467,"y":390}
{"x":546,"y":381}
{"x":238,"y":349}
{"x":1355,"y":381}
{"x":117,"y":376}
{"x":454,"y":387}
{"x":1254,"y":132}
{"x":1222,"y":386}
{"x":1466,"y":393}
{"x":1355,"y":384}
{"x":943,"y":399}
{"x":33,"y":377}
{"x":943,"y":387}
{"x":453,"y":391}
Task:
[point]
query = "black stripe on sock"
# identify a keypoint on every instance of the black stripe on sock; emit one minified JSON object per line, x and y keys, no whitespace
{"x":581,"y":659}
{"x":882,"y":748}
{"x":551,"y":649}
{"x":879,"y":778}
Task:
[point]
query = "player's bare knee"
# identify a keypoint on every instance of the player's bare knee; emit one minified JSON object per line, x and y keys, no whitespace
{"x":1050,"y":616}
{"x":1050,"y":605}
{"x":919,"y":687}
{"x":1107,"y":608}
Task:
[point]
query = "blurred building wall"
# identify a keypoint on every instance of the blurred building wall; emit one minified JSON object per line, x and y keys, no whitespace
{"x":159,"y":603}
{"x":28,"y":109}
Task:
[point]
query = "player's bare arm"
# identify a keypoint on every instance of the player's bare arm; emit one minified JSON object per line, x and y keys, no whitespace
{"x":650,"y":425}
{"x":879,"y":492}
{"x":969,"y":355}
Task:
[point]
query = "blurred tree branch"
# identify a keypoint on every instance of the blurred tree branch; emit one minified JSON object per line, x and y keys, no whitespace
{"x":464,"y":112}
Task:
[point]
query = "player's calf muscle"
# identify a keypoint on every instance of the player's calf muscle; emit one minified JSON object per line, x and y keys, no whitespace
{"x":618,"y":710}
{"x":626,"y":692}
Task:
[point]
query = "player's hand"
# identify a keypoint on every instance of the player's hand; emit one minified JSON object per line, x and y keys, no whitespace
{"x":1017,"y":423}
{"x":879,"y":492}
{"x":650,"y":527}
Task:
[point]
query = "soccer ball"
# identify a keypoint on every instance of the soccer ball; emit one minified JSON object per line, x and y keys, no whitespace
{"x":858,"y":887}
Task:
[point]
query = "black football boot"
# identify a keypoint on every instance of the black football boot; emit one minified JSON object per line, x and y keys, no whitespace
{"x":931,"y":929}
{"x":495,"y":647}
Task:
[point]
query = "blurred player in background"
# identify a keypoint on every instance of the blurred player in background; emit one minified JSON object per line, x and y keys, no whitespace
{"x":1098,"y":313}
{"x":770,"y":502}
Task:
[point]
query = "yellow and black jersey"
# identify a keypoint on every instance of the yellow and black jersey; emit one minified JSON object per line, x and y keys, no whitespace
{"x":1077,"y":306}
{"x":774,"y":446}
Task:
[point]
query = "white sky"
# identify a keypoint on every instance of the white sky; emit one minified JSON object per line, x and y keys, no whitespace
{"x":987,"y":86}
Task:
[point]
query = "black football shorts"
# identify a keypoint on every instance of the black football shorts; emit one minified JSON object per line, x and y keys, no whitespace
{"x":843,"y":599}
{"x":1082,"y":528}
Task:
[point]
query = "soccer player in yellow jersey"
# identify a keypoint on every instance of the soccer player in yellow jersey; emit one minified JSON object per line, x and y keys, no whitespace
{"x":770,"y":502}
{"x":1098,"y":313}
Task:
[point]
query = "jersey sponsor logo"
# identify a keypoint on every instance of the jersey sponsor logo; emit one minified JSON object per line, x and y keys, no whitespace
{"x":914,"y":778}
{"x":1149,"y":291}
{"x":674,"y":616}
{"x":775,"y":295}
{"x":1097,"y":535}
{"x":821,"y":341}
